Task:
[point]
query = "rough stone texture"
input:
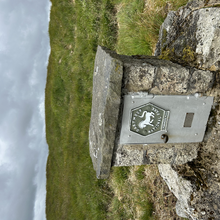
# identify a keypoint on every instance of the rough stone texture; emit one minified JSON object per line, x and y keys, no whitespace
{"x":191,"y":35}
{"x":170,"y":154}
{"x":108,"y":72}
{"x":157,"y":76}
{"x":180,"y":187}
{"x":196,"y":184}
{"x":127,"y":155}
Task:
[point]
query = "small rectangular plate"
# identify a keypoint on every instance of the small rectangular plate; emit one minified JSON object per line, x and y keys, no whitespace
{"x":188,"y":120}
{"x":146,"y":117}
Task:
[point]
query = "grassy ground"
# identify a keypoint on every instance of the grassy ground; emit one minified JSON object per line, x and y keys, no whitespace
{"x":73,"y":192}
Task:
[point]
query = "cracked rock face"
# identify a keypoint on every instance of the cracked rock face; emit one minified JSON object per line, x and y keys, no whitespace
{"x":191,"y":35}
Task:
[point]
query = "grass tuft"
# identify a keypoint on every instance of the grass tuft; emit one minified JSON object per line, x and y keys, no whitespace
{"x":120,"y":174}
{"x":139,"y":24}
{"x":139,"y":173}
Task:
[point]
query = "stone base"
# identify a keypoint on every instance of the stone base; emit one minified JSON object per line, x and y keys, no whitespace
{"x":129,"y":155}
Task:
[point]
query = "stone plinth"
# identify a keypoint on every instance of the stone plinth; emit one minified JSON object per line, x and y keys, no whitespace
{"x":118,"y":75}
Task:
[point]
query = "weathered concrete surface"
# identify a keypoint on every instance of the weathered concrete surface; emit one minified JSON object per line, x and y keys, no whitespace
{"x":191,"y":35}
{"x":107,"y":78}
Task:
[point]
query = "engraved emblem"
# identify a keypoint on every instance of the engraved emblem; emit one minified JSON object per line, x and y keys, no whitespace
{"x":148,"y":119}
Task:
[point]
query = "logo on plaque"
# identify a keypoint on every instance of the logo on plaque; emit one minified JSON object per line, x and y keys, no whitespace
{"x":148,"y":119}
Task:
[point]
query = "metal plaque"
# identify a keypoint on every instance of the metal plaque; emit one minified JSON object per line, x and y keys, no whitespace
{"x":150,"y":118}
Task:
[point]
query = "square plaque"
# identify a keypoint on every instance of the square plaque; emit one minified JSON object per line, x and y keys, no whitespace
{"x":149,"y":119}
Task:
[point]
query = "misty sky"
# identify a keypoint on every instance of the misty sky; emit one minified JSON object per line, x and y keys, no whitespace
{"x":24,"y":51}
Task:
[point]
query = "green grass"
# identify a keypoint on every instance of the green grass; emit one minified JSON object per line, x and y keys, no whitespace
{"x":140,"y":173}
{"x":139,"y":24}
{"x":120,"y":174}
{"x":76,"y":28}
{"x":134,"y":32}
{"x":73,"y":192}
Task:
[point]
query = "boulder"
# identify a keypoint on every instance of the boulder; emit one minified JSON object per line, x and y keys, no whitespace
{"x":181,"y":187}
{"x":191,"y":35}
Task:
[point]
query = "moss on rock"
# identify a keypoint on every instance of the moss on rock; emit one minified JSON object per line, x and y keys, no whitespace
{"x":188,"y":55}
{"x":167,"y":54}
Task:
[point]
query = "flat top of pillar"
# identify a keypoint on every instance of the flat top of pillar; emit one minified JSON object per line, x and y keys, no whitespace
{"x":107,"y":78}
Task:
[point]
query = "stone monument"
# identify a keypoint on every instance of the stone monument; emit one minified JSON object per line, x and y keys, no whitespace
{"x":146,"y":110}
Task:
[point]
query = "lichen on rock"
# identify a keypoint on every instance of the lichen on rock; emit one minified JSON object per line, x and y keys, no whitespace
{"x":191,"y":36}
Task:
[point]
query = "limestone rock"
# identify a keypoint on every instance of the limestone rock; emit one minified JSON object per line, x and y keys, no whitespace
{"x":191,"y":35}
{"x":180,"y":187}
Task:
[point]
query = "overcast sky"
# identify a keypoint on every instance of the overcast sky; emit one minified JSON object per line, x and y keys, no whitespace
{"x":24,"y":51}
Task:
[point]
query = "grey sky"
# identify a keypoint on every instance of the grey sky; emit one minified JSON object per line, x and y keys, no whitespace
{"x":24,"y":51}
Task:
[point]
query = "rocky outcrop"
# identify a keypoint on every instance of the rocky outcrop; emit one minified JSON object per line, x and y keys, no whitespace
{"x":191,"y":37}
